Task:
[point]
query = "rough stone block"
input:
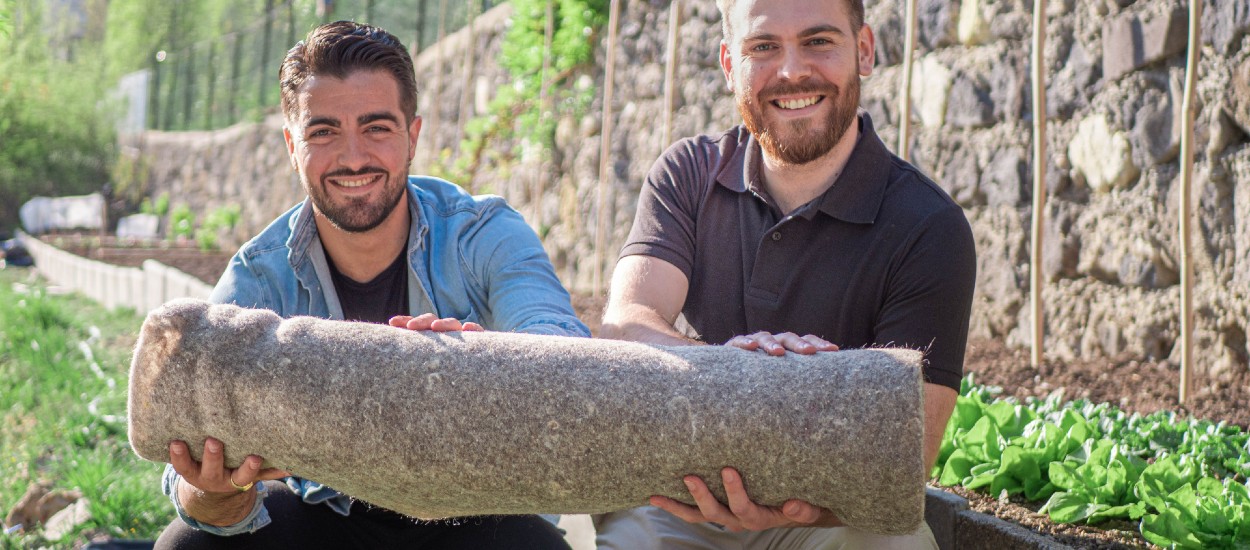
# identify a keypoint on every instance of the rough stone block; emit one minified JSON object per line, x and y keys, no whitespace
{"x":930,"y":89}
{"x":1156,"y":126}
{"x":961,"y":177}
{"x":888,"y":23}
{"x":1070,"y":89}
{"x":1007,"y":86}
{"x":436,"y":425}
{"x":1224,"y":132}
{"x":974,"y":27}
{"x":1061,"y":248}
{"x":1224,"y":23}
{"x":1004,"y":179}
{"x":1130,"y":42}
{"x":970,"y":105}
{"x":936,"y":20}
{"x":1240,"y":98}
{"x":1101,"y":156}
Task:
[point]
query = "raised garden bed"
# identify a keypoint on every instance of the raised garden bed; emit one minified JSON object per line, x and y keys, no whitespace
{"x":185,"y":256}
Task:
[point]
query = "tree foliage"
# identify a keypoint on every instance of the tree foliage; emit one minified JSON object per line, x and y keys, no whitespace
{"x":55,"y":133}
{"x":57,"y":70}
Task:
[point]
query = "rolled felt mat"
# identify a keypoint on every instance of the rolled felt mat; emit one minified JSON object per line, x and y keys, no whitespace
{"x":440,"y":425}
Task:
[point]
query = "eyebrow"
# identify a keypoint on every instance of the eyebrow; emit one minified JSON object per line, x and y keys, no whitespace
{"x":323,"y":121}
{"x":374,"y":117}
{"x":821,"y":29}
{"x":805,"y":33}
{"x":360,"y":120}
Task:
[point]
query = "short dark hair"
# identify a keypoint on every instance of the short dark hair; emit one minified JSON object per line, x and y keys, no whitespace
{"x":340,"y":48}
{"x":855,"y":7}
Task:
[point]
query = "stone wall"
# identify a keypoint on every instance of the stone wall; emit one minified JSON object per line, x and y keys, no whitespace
{"x":1115,"y":72}
{"x":246,"y":164}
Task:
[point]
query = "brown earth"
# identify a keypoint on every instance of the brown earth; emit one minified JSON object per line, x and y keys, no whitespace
{"x":1132,"y":384}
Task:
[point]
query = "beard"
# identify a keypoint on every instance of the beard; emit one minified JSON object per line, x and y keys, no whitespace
{"x":357,"y":214}
{"x":798,"y":142}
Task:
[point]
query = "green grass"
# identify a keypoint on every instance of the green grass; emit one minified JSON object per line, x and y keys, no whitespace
{"x":63,"y":374}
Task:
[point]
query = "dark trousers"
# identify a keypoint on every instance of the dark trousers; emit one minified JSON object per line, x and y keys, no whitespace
{"x":297,"y":524}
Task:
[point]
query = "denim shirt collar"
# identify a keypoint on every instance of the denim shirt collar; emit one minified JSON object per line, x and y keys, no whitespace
{"x":308,"y":261}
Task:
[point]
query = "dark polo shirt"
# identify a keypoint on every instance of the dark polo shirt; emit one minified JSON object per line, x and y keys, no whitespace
{"x":883,"y":258}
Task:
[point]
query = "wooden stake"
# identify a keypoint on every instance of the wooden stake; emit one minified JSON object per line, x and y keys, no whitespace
{"x":436,"y":101}
{"x":544,"y":113}
{"x":1039,"y":178}
{"x":904,"y":104}
{"x":1187,"y":169}
{"x":605,"y":150}
{"x":670,"y":71}
{"x":466,"y":87}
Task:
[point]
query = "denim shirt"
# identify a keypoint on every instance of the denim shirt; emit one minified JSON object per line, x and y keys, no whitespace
{"x":472,"y":258}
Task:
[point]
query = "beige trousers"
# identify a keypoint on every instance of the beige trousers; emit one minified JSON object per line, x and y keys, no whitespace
{"x":652,"y":528}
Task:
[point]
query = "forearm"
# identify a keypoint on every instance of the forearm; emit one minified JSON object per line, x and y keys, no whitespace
{"x":939,"y":403}
{"x":638,"y":323}
{"x":219,"y":509}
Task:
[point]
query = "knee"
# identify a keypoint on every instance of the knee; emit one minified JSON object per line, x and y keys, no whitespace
{"x":180,"y":536}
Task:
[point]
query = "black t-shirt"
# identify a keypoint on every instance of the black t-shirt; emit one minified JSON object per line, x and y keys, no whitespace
{"x":375,"y":301}
{"x":883,"y":258}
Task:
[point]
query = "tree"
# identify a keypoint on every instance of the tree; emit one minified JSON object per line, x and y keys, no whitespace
{"x":55,"y":137}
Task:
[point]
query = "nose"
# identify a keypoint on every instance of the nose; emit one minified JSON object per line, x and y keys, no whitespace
{"x":354,"y":154}
{"x":794,"y":66}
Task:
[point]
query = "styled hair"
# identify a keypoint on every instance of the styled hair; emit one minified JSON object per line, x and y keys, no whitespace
{"x":855,"y":7}
{"x":340,"y":48}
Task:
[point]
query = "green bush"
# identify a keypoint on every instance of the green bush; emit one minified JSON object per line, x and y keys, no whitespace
{"x":221,"y":219}
{"x":182,"y":222}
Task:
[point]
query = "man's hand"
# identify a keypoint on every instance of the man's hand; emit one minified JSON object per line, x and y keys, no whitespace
{"x":430,"y":321}
{"x":742,"y":514}
{"x":778,"y":344}
{"x":209,"y":491}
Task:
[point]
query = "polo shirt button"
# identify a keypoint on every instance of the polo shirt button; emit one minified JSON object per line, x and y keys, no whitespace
{"x":776,"y":235}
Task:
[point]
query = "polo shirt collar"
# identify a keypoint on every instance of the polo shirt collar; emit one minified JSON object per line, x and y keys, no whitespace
{"x":855,"y":197}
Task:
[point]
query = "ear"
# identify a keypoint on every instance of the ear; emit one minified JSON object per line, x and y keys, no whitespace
{"x":414,"y":130}
{"x":290,"y":146}
{"x":727,"y":65}
{"x":867,"y":46}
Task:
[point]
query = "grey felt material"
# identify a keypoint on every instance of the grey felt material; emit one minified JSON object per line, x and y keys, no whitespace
{"x":438,"y":425}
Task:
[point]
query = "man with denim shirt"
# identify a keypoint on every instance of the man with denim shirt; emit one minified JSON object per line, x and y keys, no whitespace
{"x":369,"y":244}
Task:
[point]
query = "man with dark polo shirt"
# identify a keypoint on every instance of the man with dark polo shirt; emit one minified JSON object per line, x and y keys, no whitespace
{"x":370,"y":243}
{"x":799,"y":222}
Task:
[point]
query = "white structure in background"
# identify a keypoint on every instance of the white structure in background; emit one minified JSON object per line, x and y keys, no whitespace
{"x":139,"y":226}
{"x":44,"y":214}
{"x":132,"y":97}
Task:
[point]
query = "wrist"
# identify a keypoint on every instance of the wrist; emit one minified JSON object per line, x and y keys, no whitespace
{"x":218,"y":509}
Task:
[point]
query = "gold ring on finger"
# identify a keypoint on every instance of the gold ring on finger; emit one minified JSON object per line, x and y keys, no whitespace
{"x":241,"y":488}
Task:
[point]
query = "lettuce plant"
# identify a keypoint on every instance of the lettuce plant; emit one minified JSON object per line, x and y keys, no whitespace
{"x":1184,"y":480}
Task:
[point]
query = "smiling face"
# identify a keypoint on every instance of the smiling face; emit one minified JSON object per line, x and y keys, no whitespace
{"x":794,"y":68}
{"x":349,"y":142}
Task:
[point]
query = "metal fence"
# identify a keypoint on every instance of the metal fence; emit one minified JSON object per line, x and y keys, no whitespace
{"x":215,"y":83}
